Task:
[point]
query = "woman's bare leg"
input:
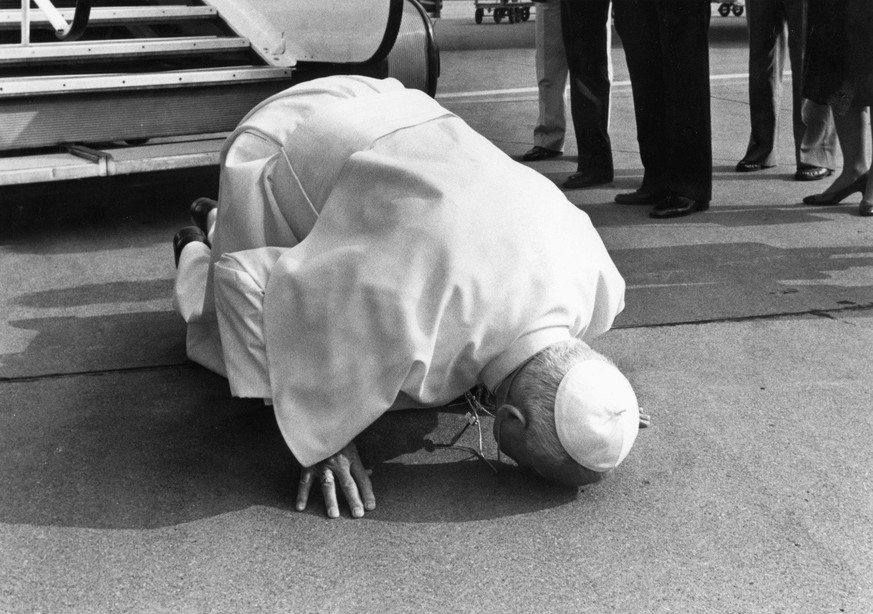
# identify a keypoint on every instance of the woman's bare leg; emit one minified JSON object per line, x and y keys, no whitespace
{"x":867,"y":200}
{"x":853,"y":133}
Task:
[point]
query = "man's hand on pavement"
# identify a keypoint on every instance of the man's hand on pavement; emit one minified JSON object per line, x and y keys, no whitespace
{"x":346,"y":468}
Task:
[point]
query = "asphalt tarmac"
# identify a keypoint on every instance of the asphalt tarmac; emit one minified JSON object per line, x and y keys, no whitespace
{"x":132,"y":482}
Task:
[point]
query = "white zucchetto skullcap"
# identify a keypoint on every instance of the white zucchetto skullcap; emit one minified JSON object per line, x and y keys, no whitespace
{"x":596,"y":415}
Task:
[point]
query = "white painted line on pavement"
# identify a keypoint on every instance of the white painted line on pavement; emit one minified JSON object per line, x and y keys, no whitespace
{"x":694,"y":283}
{"x":516,"y":90}
{"x":533,"y":90}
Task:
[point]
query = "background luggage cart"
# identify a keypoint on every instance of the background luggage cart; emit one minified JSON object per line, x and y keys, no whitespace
{"x":514,"y":10}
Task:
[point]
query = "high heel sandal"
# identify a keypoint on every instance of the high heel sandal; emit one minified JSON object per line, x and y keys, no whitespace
{"x":865,"y":209}
{"x":835,"y":198}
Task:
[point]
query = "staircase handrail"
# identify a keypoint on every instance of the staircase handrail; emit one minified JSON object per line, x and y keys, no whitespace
{"x":63,"y":30}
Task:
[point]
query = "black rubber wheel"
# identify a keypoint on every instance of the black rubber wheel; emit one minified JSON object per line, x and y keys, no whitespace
{"x":737,"y":10}
{"x":724,"y":9}
{"x":511,"y":13}
{"x":478,"y":15}
{"x":498,"y":15}
{"x":525,"y":13}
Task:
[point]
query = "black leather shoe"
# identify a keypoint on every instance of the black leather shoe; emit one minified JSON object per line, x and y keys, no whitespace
{"x":639,"y":197}
{"x":584,"y":179}
{"x":199,"y":212}
{"x":812,"y":173}
{"x":540,"y":153}
{"x":744,"y":166}
{"x":189,"y":234}
{"x":677,"y":206}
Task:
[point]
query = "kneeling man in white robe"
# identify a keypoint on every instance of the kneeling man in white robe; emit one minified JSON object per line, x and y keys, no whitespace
{"x":370,"y":251}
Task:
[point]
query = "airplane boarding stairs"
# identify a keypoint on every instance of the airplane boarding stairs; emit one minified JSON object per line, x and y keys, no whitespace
{"x":155,"y":85}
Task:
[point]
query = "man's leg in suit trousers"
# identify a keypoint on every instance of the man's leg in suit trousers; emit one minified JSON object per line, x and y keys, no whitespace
{"x":767,"y":52}
{"x":551,"y":65}
{"x":584,"y":25}
{"x":685,"y":50}
{"x":637,"y":24}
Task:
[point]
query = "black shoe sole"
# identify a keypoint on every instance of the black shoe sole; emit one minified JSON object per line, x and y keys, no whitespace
{"x":668,"y":213}
{"x":801,"y":176}
{"x":199,"y":212}
{"x":539,"y":157}
{"x":632,"y":200}
{"x":751,"y":169}
{"x":587,"y":183}
{"x":189,"y":234}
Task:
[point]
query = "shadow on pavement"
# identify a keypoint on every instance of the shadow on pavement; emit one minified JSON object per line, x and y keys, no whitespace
{"x":776,"y":214}
{"x":71,"y":344}
{"x":98,"y":215}
{"x":728,"y":280}
{"x":722,"y":279}
{"x":462,"y":491}
{"x":137,"y":450}
{"x":447,"y":485}
{"x":163,"y":447}
{"x":94,"y":294}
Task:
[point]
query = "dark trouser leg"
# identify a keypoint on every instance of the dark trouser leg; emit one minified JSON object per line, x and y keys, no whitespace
{"x":584,"y":24}
{"x":767,"y":50}
{"x":637,"y":24}
{"x":685,"y":49}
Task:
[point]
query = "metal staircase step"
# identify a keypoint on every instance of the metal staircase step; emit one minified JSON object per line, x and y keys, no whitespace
{"x":10,"y":19}
{"x":156,"y":155}
{"x":46,"y":111}
{"x":48,"y":85}
{"x":118,"y":49}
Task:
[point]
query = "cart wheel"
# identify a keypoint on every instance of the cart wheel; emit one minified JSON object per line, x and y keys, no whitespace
{"x":525,"y":13}
{"x":498,"y":15}
{"x":478,"y":15}
{"x":511,"y":14}
{"x":737,"y":9}
{"x":724,"y":9}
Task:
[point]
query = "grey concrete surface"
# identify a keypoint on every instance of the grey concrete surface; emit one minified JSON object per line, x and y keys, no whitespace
{"x":132,"y":482}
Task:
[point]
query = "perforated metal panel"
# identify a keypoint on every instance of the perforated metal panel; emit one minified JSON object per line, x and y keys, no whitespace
{"x":414,"y":59}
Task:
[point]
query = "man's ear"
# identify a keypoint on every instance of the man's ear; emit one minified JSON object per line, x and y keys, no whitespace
{"x":510,"y":412}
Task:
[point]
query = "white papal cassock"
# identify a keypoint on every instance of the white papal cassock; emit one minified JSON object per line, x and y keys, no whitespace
{"x":373,"y":252}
